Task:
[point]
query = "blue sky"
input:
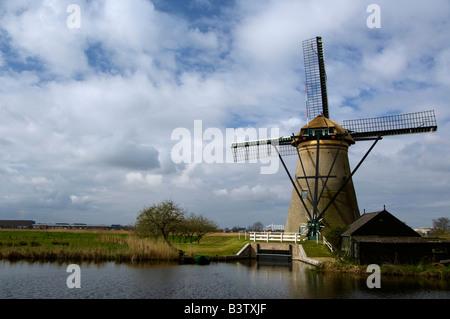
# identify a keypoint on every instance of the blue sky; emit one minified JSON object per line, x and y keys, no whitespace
{"x":86,"y":114}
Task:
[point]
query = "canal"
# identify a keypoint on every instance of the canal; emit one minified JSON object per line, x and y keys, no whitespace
{"x":231,"y":280}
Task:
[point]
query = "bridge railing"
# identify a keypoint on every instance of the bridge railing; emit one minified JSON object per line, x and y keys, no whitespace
{"x":326,"y":242}
{"x":279,"y":237}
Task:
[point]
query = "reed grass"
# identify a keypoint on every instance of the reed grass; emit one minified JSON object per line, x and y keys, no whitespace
{"x":421,"y":270}
{"x":106,"y":246}
{"x":145,"y":249}
{"x":82,"y":246}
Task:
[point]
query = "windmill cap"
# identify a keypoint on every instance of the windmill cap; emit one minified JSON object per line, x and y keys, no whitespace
{"x":321,"y":122}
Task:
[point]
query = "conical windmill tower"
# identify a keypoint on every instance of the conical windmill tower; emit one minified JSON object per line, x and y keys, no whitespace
{"x":323,"y":192}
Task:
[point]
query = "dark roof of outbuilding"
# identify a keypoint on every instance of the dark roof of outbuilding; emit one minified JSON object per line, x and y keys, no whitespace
{"x":362,"y":220}
{"x":380,"y":223}
{"x":398,"y":240}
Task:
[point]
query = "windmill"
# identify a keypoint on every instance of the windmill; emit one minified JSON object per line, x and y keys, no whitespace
{"x":323,"y":193}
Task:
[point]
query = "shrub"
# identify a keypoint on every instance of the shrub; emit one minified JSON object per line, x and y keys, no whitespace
{"x":333,"y":235}
{"x":63,"y":243}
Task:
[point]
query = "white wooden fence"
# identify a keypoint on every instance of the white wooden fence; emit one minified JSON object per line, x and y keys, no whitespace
{"x":280,"y":237}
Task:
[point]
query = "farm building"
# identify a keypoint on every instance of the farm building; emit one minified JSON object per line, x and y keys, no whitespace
{"x":16,"y":223}
{"x":379,"y":237}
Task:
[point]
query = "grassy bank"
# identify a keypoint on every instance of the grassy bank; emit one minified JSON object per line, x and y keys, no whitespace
{"x":217,"y":244}
{"x":342,"y":265}
{"x":78,"y":245}
{"x":314,"y":250}
{"x":421,"y":270}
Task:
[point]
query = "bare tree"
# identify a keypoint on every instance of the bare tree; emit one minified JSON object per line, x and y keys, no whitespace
{"x":203,"y":226}
{"x":160,"y":219}
{"x":441,"y":226}
{"x":188,"y":227}
{"x":258,"y":226}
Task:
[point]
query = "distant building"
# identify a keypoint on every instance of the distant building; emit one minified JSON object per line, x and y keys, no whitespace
{"x":18,"y":224}
{"x":379,"y":237}
{"x":76,"y":226}
{"x":31,"y":224}
{"x":424,"y":231}
{"x":235,"y":229}
{"x":274,"y":228}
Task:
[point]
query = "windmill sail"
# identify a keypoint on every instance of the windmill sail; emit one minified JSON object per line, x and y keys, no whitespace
{"x":252,"y":150}
{"x":316,"y":79}
{"x":359,"y":129}
{"x":419,"y":122}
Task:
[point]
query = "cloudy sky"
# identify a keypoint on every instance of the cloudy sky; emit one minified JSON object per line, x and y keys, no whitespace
{"x":92,"y":97}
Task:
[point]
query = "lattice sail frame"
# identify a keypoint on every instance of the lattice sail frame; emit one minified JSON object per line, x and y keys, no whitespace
{"x":315,"y":78}
{"x":418,"y":122}
{"x":254,"y":150}
{"x":359,"y":129}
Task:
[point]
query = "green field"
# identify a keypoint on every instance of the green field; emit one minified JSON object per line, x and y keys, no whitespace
{"x":48,"y":239}
{"x":313,"y":249}
{"x":214,"y":245}
{"x":78,"y":245}
{"x":120,"y":246}
{"x":107,"y":245}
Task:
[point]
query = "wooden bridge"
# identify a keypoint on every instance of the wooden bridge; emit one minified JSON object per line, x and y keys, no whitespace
{"x":277,"y":246}
{"x":283,"y":237}
{"x":274,"y":254}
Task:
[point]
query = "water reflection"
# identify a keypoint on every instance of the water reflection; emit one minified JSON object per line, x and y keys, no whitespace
{"x":242,"y":279}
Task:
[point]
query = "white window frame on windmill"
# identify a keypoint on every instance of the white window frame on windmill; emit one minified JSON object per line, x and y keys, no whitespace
{"x":304,"y":194}
{"x":302,"y":229}
{"x":329,"y":131}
